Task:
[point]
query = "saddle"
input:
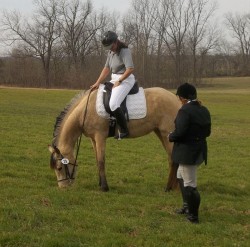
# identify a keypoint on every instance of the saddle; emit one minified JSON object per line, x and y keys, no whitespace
{"x":107,"y":94}
{"x":106,"y":98}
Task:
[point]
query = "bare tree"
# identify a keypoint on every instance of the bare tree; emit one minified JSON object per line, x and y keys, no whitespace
{"x":239,"y":25}
{"x":225,"y":50}
{"x":160,"y":26}
{"x":138,"y":28}
{"x":76,"y":33}
{"x":174,"y":26}
{"x":39,"y":35}
{"x":200,"y":35}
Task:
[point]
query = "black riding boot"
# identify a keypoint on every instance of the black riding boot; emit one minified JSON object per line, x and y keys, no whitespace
{"x":193,"y":199}
{"x":184,"y":209}
{"x":122,"y":122}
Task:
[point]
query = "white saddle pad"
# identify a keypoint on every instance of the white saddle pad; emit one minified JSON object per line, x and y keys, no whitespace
{"x":136,"y":104}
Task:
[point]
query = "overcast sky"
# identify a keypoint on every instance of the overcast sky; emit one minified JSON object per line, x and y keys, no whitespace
{"x":122,"y":6}
{"x":27,"y":5}
{"x":225,"y":6}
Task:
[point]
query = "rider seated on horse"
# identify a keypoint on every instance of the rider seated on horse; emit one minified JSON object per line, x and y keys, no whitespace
{"x":119,"y":62}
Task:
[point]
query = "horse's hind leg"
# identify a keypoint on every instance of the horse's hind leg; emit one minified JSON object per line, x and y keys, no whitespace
{"x":172,"y":182}
{"x":99,"y":145}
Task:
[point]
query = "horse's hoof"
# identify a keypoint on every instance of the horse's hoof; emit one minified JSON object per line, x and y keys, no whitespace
{"x":168,"y":189}
{"x":105,"y":189}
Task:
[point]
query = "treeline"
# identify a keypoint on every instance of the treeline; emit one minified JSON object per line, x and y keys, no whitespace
{"x":172,"y":42}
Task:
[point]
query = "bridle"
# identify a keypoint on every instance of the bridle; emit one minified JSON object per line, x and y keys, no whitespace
{"x":64,"y":161}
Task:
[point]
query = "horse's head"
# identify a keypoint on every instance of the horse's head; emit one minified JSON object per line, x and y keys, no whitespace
{"x":65,"y":167}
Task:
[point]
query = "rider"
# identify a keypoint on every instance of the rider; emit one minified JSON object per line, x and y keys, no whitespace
{"x":119,"y":62}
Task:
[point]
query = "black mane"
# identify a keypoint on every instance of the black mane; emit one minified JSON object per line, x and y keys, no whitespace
{"x":62,"y":115}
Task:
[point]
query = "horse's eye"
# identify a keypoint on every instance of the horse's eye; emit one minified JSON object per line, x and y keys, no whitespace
{"x":59,"y":168}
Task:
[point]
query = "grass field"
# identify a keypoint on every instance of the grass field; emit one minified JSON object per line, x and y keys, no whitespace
{"x":136,"y":211}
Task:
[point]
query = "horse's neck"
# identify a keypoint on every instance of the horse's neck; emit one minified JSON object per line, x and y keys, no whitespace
{"x":69,"y":133}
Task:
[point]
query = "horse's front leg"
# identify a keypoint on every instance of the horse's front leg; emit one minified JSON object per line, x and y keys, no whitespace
{"x":99,"y":145}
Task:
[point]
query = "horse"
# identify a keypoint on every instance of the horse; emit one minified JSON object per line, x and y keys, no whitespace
{"x":80,"y":118}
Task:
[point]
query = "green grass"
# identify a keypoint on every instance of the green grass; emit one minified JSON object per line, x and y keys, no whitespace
{"x":136,"y":211}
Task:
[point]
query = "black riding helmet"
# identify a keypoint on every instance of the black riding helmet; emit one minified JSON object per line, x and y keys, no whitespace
{"x":109,"y":38}
{"x":187,"y":91}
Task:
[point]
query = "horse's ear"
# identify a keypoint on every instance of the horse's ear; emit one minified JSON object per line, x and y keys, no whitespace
{"x":51,"y":149}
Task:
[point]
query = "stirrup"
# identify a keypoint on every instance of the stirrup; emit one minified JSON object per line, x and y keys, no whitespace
{"x":121,"y":135}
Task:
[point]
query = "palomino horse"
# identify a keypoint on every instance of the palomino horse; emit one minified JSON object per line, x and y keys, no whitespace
{"x":80,"y":116}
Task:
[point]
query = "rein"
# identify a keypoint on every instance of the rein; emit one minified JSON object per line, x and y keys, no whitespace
{"x":83,"y":123}
{"x":65,"y":161}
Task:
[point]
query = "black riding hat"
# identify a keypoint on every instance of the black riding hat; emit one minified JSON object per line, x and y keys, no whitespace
{"x":109,"y":38}
{"x":187,"y":91}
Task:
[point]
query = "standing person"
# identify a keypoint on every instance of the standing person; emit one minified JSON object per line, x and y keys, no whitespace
{"x":192,"y":126}
{"x":119,"y":62}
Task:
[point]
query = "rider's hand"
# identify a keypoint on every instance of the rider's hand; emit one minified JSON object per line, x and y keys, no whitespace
{"x":116,"y":84}
{"x":95,"y":86}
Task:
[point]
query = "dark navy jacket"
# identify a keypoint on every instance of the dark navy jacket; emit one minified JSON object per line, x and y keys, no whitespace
{"x":192,"y":126}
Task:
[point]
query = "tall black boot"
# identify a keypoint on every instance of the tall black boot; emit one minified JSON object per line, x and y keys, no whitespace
{"x":122,"y":122}
{"x":193,"y":199}
{"x":184,"y":209}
